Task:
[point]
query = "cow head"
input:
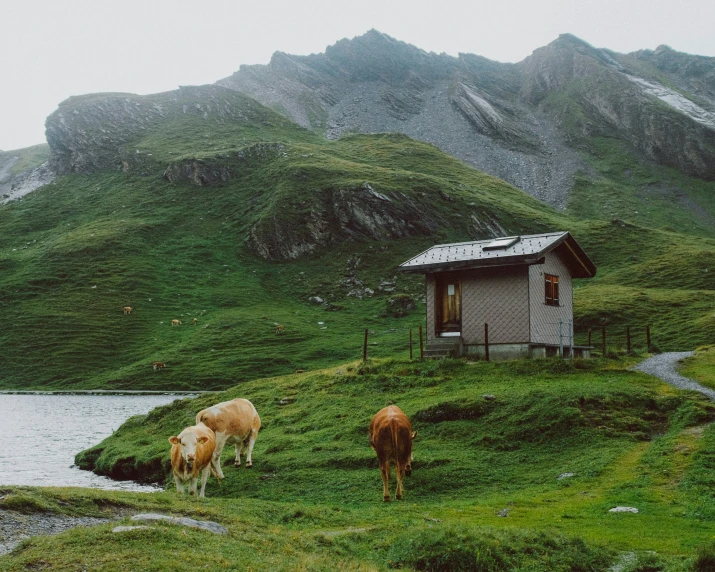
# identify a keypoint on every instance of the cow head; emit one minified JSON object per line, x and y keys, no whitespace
{"x":187,"y":442}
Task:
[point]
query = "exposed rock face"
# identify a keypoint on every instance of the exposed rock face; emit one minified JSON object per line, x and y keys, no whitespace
{"x":16,"y":181}
{"x":342,"y":214}
{"x":519,"y":122}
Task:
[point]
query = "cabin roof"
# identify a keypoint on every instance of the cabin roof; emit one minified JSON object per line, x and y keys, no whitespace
{"x":502,"y":251}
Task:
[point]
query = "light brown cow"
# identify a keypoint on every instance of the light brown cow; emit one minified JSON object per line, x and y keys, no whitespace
{"x":192,"y":454}
{"x":175,"y":322}
{"x":234,"y":422}
{"x":280,"y":329}
{"x":158,"y":365}
{"x":195,"y":321}
{"x":127,"y":309}
{"x":391,"y":436}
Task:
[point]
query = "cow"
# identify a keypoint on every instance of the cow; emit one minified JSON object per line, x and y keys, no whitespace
{"x":195,"y":321}
{"x":175,"y":322}
{"x":158,"y":365}
{"x":280,"y":328}
{"x":127,"y":309}
{"x":234,"y":422}
{"x":192,"y":455}
{"x":391,"y":437}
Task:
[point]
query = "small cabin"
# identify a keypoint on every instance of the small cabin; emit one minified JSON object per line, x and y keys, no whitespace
{"x":503,"y":298}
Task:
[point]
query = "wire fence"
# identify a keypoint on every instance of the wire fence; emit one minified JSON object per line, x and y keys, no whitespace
{"x":411,"y":342}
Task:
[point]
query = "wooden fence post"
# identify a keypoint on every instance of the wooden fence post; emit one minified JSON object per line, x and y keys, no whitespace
{"x":486,"y":341}
{"x":410,"y":344}
{"x":603,"y":342}
{"x":647,"y":337}
{"x":628,"y":339}
{"x":422,"y":350}
{"x":364,"y":348}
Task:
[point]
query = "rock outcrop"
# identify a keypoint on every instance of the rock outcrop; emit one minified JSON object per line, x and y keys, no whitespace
{"x":520,"y":122}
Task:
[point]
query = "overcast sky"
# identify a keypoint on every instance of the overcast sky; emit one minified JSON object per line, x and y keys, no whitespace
{"x":52,"y":49}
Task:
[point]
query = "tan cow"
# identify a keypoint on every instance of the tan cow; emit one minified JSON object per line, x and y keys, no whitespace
{"x":391,"y":436}
{"x":234,"y":422}
{"x":175,"y":322}
{"x":280,"y":328}
{"x":158,"y":365}
{"x":127,"y":309}
{"x":195,"y":321}
{"x":192,"y":455}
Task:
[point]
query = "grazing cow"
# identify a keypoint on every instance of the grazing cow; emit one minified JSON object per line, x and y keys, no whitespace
{"x":158,"y":365}
{"x":391,"y":436}
{"x":175,"y":322}
{"x":280,"y":328}
{"x":195,"y":321}
{"x":234,"y":422}
{"x":192,"y":454}
{"x":127,"y":309}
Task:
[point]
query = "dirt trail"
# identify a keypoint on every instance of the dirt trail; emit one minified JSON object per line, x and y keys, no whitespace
{"x":663,"y":366}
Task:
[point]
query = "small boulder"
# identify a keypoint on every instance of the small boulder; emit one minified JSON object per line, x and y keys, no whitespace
{"x":624,"y":509}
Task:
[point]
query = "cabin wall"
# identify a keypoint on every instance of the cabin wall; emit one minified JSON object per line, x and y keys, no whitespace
{"x":498,"y":297}
{"x":545,"y":318}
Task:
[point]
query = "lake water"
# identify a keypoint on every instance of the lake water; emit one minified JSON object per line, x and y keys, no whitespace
{"x":41,"y":434}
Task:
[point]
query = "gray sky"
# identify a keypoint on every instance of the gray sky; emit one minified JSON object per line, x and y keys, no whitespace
{"x":52,"y":49}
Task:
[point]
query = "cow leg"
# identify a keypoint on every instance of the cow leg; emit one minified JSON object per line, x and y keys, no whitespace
{"x":385,"y":471}
{"x":192,"y":485}
{"x":251,"y":441}
{"x":179,"y":485}
{"x":221,"y":439}
{"x":204,"y":478}
{"x":239,"y":450}
{"x":399,"y":472}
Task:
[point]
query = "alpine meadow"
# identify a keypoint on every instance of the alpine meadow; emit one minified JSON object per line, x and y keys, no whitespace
{"x":268,"y":214}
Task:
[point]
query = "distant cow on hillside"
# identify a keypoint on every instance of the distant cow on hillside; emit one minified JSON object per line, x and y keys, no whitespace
{"x":391,"y":436}
{"x":175,"y":322}
{"x":127,"y":309}
{"x":234,"y":422}
{"x":158,"y":365}
{"x":192,"y":455}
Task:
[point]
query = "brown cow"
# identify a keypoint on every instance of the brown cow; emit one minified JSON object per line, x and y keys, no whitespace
{"x":280,"y":328}
{"x":175,"y":322}
{"x":192,"y":454}
{"x":391,"y":436}
{"x":127,"y":309}
{"x":195,"y":321}
{"x":158,"y":365}
{"x":234,"y":422}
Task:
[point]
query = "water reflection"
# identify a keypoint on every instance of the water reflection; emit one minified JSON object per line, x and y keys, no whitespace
{"x":41,"y":434}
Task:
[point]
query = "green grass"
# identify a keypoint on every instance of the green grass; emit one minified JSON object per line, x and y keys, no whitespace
{"x":701,"y":366}
{"x":314,"y":500}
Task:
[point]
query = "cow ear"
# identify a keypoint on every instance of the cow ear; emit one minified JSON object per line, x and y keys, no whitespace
{"x":203,"y":439}
{"x":174,"y":440}
{"x":414,"y":434}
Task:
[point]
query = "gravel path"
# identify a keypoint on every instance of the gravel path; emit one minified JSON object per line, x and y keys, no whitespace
{"x":15,"y":527}
{"x":663,"y":366}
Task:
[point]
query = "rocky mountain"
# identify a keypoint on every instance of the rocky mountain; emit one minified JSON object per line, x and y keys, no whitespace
{"x":524,"y":122}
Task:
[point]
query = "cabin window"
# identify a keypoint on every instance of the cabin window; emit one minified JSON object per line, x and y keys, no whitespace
{"x":551,"y":283}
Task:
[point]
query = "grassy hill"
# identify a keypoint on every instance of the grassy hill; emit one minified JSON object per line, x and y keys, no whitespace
{"x":233,"y":215}
{"x":487,"y":491}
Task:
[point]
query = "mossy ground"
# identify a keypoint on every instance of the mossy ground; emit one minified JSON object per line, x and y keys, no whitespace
{"x":313,"y":499}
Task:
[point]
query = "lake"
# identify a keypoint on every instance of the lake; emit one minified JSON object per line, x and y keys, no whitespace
{"x":42,"y":433}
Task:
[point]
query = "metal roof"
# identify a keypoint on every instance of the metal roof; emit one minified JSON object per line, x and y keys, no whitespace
{"x":528,"y":249}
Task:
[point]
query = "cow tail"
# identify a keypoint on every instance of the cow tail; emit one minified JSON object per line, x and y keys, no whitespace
{"x":393,"y":434}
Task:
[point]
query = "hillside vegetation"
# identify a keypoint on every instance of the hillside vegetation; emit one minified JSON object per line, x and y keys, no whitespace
{"x":241,"y":229}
